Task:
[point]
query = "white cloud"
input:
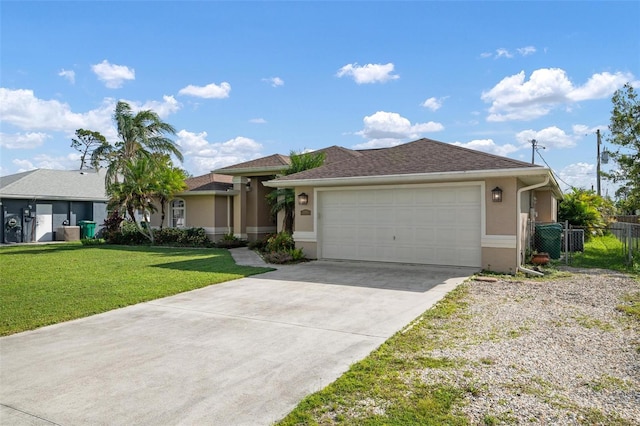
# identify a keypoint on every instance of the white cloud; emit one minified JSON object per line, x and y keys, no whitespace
{"x":579,"y":175}
{"x":258,"y":121}
{"x":210,"y":91}
{"x":29,"y":140}
{"x":113,"y":75}
{"x":384,"y":124}
{"x":369,"y":73}
{"x":550,"y":137}
{"x":202,"y":156}
{"x":514,"y":98}
{"x":168,"y":106}
{"x":69,"y":75}
{"x":385,"y":129}
{"x":433,"y":104}
{"x":42,"y":161}
{"x":489,"y":146}
{"x":526,"y":51}
{"x":506,"y":53}
{"x":274,"y":81}
{"x":599,"y":86}
{"x":23,"y":109}
{"x":503,"y":53}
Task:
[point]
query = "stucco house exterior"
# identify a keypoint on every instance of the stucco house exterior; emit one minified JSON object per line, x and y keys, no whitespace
{"x":207,"y":203}
{"x":424,"y":202}
{"x":37,"y":203}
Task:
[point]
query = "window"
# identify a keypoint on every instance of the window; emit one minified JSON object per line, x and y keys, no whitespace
{"x":177,"y":214}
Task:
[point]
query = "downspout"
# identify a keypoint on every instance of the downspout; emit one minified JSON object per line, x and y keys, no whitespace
{"x":519,"y":229}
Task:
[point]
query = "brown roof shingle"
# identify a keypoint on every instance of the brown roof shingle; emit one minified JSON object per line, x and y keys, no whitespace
{"x":209,"y":182}
{"x":274,"y":160}
{"x":421,"y":156}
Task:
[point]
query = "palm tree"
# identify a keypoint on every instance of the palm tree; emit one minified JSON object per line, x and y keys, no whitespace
{"x":139,"y":135}
{"x":135,"y":193}
{"x":283,"y":199}
{"x":138,"y":163}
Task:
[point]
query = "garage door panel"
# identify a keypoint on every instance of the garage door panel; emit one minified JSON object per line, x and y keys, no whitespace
{"x":419,"y":225}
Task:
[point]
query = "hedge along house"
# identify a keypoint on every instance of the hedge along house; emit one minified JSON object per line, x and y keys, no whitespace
{"x":423,"y":202}
{"x":36,"y":203}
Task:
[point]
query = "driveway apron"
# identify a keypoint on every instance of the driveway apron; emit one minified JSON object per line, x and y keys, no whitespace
{"x":243,"y":352}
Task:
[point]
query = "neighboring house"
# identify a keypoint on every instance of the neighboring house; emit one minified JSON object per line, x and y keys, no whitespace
{"x":424,"y":202}
{"x":38,"y":202}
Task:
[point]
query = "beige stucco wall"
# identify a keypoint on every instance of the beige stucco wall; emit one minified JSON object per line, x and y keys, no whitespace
{"x":304,"y":223}
{"x":501,"y":217}
{"x":499,"y":252}
{"x":499,"y":260}
{"x":546,"y":206}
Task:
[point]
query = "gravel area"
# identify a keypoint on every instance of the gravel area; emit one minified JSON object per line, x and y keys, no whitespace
{"x":549,"y":352}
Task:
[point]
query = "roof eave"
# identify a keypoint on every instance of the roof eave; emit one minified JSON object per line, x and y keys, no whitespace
{"x":228,"y":192}
{"x":251,"y":171}
{"x":410,"y":178}
{"x":52,"y":198}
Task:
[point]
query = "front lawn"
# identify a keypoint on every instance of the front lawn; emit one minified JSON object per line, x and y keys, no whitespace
{"x":47,"y":284}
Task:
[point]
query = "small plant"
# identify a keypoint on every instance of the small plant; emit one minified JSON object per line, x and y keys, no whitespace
{"x":230,"y":241}
{"x":282,"y":241}
{"x":92,"y":241}
{"x":285,"y":256}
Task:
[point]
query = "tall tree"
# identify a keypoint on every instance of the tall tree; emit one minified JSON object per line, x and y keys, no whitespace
{"x":139,"y":166}
{"x":283,"y":199}
{"x":86,"y":142}
{"x":625,"y":132}
{"x":140,"y":134}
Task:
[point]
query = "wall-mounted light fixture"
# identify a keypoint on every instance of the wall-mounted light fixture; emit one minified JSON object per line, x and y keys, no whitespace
{"x":496,"y":195}
{"x":303,"y":199}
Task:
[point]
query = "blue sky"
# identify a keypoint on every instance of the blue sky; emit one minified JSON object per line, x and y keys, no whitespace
{"x":241,"y":80}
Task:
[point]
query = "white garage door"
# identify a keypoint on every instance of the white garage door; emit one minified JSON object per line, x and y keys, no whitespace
{"x":436,"y":225}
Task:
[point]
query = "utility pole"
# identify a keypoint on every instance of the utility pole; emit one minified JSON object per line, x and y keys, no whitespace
{"x":598,"y":164}
{"x":533,"y":151}
{"x":534,"y":146}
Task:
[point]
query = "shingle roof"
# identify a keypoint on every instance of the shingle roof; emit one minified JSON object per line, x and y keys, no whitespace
{"x":210,"y":182}
{"x":55,"y":185}
{"x":421,"y":156}
{"x":275,"y":160}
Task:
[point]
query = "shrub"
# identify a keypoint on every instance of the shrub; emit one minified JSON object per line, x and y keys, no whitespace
{"x":92,"y":241}
{"x":230,"y":241}
{"x":259,"y":245}
{"x":285,"y":256}
{"x":282,"y":241}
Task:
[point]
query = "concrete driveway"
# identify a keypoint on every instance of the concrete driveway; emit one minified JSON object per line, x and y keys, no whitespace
{"x":243,"y":352}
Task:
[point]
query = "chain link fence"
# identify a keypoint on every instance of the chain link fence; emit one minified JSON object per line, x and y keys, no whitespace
{"x":562,"y":240}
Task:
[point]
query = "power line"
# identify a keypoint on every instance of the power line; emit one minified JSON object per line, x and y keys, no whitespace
{"x":553,"y":171}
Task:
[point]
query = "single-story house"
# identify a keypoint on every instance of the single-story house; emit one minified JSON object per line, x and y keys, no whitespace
{"x":424,"y":202}
{"x":38,"y":203}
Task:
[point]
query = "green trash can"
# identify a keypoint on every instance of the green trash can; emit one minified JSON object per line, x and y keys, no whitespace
{"x":87,"y":228}
{"x":549,"y":239}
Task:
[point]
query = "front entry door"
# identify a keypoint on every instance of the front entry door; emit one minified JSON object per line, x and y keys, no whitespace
{"x":44,"y":222}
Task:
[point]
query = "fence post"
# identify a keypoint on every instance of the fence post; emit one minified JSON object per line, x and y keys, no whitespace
{"x":566,"y":242}
{"x":630,"y":244}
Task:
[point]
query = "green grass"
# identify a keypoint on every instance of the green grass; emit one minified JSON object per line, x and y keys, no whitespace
{"x":605,"y":252}
{"x":48,"y":284}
